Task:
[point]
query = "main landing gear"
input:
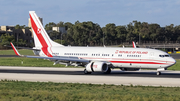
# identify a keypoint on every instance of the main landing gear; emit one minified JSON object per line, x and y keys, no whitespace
{"x":158,"y":73}
{"x":108,"y":71}
{"x":86,"y":72}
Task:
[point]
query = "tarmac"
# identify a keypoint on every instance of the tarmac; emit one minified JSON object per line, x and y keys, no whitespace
{"x":76,"y":75}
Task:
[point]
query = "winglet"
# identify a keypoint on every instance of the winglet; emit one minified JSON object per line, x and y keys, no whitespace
{"x":15,"y":50}
{"x":134,"y":45}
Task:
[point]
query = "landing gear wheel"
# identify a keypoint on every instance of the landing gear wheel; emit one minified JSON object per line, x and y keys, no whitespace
{"x":158,"y":73}
{"x":86,"y":72}
{"x":108,"y":71}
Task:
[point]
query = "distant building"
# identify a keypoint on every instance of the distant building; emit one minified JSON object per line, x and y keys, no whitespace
{"x":25,"y":34}
{"x":6,"y":29}
{"x":59,"y":29}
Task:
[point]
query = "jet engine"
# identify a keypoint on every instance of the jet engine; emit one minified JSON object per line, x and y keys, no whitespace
{"x":36,"y":52}
{"x":96,"y":67}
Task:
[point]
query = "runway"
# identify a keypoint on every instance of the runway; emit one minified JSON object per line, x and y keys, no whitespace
{"x":76,"y":75}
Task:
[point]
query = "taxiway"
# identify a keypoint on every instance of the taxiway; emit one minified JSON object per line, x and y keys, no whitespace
{"x":76,"y":75}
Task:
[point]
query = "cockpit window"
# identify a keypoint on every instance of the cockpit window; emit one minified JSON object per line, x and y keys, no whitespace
{"x":164,"y":55}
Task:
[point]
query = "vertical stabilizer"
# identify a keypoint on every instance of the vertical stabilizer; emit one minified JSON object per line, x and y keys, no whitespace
{"x":41,"y":38}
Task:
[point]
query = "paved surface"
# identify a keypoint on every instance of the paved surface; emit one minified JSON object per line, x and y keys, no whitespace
{"x":75,"y":75}
{"x":175,"y":56}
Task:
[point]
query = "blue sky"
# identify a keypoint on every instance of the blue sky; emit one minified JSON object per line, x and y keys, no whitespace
{"x":119,"y":12}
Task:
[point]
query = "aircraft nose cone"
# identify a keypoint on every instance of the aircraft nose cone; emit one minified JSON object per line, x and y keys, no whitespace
{"x":173,"y":61}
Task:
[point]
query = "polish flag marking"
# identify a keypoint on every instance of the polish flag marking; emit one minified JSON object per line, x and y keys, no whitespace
{"x":38,"y":31}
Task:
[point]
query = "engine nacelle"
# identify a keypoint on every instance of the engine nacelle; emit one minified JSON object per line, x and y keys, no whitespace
{"x":36,"y":52}
{"x":97,"y":67}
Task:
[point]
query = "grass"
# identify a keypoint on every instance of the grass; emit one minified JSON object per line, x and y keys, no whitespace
{"x":21,"y":51}
{"x":176,"y":66}
{"x":21,"y":61}
{"x":32,"y":62}
{"x":42,"y":91}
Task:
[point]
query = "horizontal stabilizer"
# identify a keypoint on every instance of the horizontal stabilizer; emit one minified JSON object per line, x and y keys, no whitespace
{"x":15,"y":50}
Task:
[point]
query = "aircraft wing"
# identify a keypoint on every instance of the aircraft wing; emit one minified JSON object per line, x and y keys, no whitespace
{"x":74,"y":59}
{"x":61,"y":58}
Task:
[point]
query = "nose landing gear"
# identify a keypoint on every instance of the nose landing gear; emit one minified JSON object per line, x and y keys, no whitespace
{"x":158,"y":73}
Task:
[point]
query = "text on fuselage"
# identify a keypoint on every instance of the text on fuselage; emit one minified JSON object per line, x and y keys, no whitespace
{"x":131,"y":52}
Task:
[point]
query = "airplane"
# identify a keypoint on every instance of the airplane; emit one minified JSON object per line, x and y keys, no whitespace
{"x":96,"y":59}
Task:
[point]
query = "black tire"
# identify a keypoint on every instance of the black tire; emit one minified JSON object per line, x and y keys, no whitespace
{"x":108,"y":71}
{"x":86,"y":72}
{"x":158,"y":73}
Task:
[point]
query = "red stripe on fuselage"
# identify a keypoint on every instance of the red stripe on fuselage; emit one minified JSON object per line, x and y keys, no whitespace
{"x":136,"y":62}
{"x":129,"y":60}
{"x":146,"y":61}
{"x":40,"y":37}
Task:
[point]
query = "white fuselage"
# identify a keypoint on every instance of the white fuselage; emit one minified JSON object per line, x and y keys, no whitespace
{"x":118,"y":57}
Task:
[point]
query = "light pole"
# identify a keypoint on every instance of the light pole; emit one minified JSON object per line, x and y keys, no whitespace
{"x":103,"y":39}
{"x":139,"y":39}
{"x":61,"y":37}
{"x":17,"y":40}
